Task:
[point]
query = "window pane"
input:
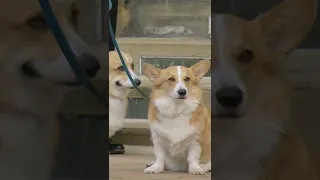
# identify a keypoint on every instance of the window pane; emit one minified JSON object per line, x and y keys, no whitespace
{"x":159,"y":18}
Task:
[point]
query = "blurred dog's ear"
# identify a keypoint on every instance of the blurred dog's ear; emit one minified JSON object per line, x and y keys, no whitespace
{"x":287,"y":24}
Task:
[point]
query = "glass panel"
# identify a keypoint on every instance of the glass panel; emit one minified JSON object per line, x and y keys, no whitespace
{"x":164,"y":18}
{"x":170,"y":18}
{"x":137,"y":108}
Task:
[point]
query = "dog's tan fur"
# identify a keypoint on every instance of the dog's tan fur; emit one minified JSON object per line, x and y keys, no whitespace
{"x":28,"y":105}
{"x":119,"y":87}
{"x":262,"y":143}
{"x":115,"y":73}
{"x":175,"y":117}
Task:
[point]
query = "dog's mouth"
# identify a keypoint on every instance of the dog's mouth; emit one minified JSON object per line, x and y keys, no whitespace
{"x":181,"y":97}
{"x":228,"y":116}
{"x":70,"y":83}
{"x":28,"y":70}
{"x":120,"y":85}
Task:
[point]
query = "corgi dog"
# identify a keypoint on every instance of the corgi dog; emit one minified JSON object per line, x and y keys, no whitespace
{"x":34,"y":78}
{"x":254,"y":137}
{"x":180,"y":123}
{"x":119,"y":87}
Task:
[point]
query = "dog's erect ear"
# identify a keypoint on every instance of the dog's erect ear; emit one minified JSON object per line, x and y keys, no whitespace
{"x":151,"y":72}
{"x":287,"y":24}
{"x":201,"y":68}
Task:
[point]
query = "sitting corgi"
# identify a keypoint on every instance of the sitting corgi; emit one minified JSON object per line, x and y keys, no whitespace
{"x":119,"y":86}
{"x":180,"y":123}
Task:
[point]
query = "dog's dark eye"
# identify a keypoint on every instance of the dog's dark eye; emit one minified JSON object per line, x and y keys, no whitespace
{"x":245,"y":56}
{"x":171,"y":79}
{"x":38,"y":23}
{"x":132,"y":67}
{"x":120,"y":68}
{"x":187,"y":79}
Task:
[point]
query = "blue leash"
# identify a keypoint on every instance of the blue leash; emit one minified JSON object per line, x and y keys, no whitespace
{"x":68,"y":53}
{"x":110,"y":5}
{"x":120,"y":55}
{"x":71,"y":58}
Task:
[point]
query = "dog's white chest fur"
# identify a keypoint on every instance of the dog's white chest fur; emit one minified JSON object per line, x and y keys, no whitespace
{"x":174,"y":132}
{"x":117,"y":113}
{"x":240,"y":147}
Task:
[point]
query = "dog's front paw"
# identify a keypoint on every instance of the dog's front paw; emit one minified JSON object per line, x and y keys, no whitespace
{"x":154,"y":169}
{"x":195,"y":169}
{"x":206,"y":167}
{"x":149,"y":164}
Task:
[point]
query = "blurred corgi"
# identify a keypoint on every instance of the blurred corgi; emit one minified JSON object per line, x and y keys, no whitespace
{"x":254,"y":134}
{"x":119,"y":86}
{"x":35,"y":77}
{"x":180,"y":123}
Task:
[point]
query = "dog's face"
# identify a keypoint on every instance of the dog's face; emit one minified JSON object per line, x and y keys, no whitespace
{"x":29,"y":50}
{"x":249,"y":55}
{"x":118,"y":79}
{"x":177,"y":82}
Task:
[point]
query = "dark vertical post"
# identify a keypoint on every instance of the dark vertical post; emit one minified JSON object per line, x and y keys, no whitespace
{"x":113,"y":18}
{"x":105,"y":21}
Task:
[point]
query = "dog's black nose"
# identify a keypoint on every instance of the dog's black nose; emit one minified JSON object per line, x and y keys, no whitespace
{"x":137,"y":81}
{"x":182,"y":92}
{"x":90,"y":64}
{"x":229,"y":97}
